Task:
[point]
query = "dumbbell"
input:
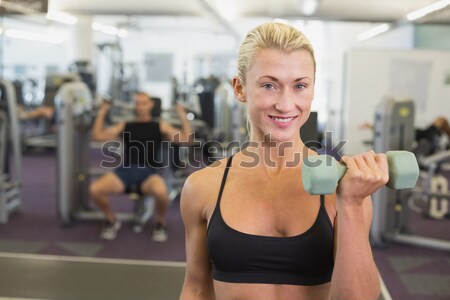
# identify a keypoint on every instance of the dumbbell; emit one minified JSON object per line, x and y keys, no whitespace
{"x":321,"y":174}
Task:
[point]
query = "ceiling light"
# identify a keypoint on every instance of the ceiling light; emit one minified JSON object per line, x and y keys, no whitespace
{"x":372,"y":32}
{"x":61,"y":18}
{"x":427,"y":10}
{"x":33,"y":36}
{"x":110,"y":30}
{"x":122,"y":33}
{"x":96,"y":26}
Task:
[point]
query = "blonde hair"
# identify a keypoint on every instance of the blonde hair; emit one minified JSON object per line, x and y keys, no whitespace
{"x":270,"y":35}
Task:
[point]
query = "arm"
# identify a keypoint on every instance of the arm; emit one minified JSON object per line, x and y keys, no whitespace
{"x":41,"y":112}
{"x":99,"y":132}
{"x":355,"y":274}
{"x":183,"y":136}
{"x":198,"y":284}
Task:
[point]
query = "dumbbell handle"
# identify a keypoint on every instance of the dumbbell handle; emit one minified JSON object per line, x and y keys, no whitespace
{"x":396,"y":159}
{"x":392,"y":183}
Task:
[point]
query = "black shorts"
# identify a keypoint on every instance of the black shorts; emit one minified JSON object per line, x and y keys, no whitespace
{"x":133,"y":176}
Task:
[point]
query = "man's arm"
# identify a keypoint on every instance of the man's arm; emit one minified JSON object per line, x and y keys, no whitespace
{"x":183,"y":136}
{"x":99,"y":132}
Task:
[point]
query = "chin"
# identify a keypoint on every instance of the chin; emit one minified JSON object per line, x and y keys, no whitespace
{"x":281,"y":136}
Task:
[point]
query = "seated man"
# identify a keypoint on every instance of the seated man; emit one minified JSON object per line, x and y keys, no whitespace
{"x":138,"y":169}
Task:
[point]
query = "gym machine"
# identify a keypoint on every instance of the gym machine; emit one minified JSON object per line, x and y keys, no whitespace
{"x":432,"y":197}
{"x":229,"y":115}
{"x":10,"y":173}
{"x":74,"y":118}
{"x":394,"y":130}
{"x":45,"y":138}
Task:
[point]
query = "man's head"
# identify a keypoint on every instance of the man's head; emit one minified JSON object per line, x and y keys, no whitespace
{"x":143,"y":104}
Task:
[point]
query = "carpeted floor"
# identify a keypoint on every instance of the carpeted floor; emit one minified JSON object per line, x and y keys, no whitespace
{"x":410,"y":273}
{"x":36,"y":229}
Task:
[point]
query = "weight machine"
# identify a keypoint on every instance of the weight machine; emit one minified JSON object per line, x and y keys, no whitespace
{"x":394,"y":130}
{"x":10,"y":153}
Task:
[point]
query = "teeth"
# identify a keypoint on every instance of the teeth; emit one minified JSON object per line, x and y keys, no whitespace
{"x":283,"y":120}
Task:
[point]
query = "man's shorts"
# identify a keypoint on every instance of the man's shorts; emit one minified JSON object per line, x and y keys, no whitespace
{"x":133,"y":176}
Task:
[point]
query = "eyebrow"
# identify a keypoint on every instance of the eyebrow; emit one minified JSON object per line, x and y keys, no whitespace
{"x":277,"y":80}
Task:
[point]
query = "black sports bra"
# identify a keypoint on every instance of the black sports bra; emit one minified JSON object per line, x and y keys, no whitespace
{"x":305,"y":259}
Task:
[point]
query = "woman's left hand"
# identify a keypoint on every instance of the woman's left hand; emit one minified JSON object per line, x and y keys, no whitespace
{"x":365,"y":174}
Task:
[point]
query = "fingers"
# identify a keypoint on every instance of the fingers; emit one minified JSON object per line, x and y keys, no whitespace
{"x":349,"y":162}
{"x":374,"y":173}
{"x":382,"y":163}
{"x":369,"y":166}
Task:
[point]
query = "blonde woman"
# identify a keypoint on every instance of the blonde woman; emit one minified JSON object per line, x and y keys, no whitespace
{"x":252,"y":231}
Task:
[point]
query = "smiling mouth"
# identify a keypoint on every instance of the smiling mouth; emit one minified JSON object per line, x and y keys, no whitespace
{"x":283,"y":119}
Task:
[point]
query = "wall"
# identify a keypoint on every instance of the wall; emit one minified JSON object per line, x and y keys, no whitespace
{"x":432,"y":37}
{"x":35,"y":54}
{"x":372,"y":74}
{"x":342,"y":39}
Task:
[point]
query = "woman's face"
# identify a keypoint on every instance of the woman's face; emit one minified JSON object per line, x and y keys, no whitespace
{"x":279,"y":90}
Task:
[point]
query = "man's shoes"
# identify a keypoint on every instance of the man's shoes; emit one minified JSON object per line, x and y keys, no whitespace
{"x":109,"y":231}
{"x":160,"y":233}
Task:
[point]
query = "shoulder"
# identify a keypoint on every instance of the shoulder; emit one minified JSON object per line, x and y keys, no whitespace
{"x":201,"y":188}
{"x":202,"y":181}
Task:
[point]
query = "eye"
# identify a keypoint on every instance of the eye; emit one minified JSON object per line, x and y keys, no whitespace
{"x":268,"y":86}
{"x":301,"y":86}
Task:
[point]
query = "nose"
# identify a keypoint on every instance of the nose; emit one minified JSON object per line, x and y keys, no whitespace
{"x":285,"y":103}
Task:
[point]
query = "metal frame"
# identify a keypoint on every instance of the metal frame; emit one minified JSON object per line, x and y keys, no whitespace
{"x":10,"y":184}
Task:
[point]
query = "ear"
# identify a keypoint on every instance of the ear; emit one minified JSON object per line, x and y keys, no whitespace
{"x":238,"y":89}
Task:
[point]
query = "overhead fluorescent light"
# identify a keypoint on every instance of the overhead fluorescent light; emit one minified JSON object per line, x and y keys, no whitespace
{"x":96,"y":26}
{"x":372,"y":32}
{"x":110,"y":30}
{"x":427,"y":10}
{"x":33,"y":36}
{"x":107,"y":29}
{"x":122,"y":33}
{"x":61,"y":18}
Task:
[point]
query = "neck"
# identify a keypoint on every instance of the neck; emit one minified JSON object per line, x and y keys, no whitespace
{"x":273,"y":156}
{"x":143,"y":118}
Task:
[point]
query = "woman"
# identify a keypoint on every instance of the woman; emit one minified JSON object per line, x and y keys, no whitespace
{"x":252,"y":231}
